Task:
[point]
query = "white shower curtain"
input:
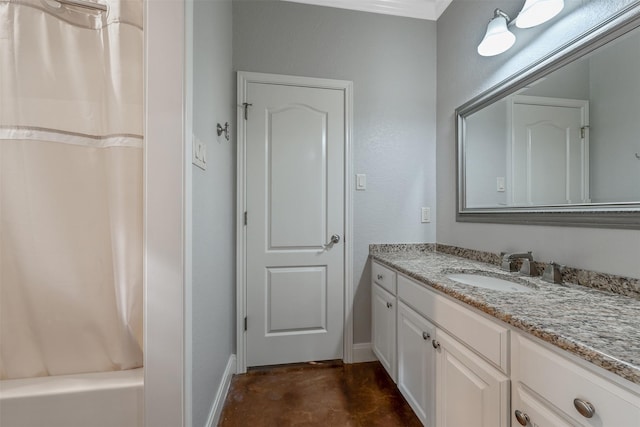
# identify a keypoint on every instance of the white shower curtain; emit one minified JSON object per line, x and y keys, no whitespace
{"x":70,"y":188}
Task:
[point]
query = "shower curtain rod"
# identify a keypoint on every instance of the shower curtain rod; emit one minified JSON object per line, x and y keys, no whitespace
{"x":84,"y":3}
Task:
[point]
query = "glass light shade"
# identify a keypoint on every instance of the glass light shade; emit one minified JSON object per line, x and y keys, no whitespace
{"x":536,"y":12}
{"x":497,"y":39}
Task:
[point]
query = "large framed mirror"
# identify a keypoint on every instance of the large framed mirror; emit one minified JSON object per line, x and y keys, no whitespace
{"x":559,"y":142}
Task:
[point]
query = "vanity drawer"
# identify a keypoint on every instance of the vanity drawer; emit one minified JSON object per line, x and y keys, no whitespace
{"x":559,"y":381}
{"x":384,"y":277}
{"x":487,"y":338}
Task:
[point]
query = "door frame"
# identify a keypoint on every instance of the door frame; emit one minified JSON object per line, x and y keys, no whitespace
{"x":244,"y":78}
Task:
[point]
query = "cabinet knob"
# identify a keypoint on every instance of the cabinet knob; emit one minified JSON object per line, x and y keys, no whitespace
{"x":389,"y":305}
{"x":522,"y":418}
{"x":379,"y":276}
{"x":585,"y":408}
{"x":435,"y":344}
{"x":425,"y":336}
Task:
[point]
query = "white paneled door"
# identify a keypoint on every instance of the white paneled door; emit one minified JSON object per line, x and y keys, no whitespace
{"x":550,"y":151}
{"x":295,"y":140}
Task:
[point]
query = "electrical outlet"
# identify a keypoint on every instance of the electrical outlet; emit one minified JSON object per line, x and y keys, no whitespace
{"x":199,"y":153}
{"x":426,"y":214}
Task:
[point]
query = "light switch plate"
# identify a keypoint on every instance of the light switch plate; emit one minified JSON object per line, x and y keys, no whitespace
{"x":361,"y":181}
{"x":199,"y":153}
{"x":500,"y":184}
{"x":426,"y":214}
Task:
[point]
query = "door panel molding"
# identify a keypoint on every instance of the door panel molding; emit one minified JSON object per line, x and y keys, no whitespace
{"x":244,"y":78}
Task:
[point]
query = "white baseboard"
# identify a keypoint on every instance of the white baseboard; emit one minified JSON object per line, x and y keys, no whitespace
{"x":362,"y":352}
{"x":221,"y":395}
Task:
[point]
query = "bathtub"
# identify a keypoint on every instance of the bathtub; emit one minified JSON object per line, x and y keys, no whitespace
{"x":105,"y":399}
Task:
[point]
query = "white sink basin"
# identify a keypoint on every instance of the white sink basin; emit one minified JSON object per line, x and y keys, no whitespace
{"x":487,"y":282}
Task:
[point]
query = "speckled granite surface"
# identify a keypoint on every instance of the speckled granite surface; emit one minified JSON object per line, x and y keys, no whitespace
{"x":600,"y":327}
{"x":407,"y":248}
{"x":592,"y":279}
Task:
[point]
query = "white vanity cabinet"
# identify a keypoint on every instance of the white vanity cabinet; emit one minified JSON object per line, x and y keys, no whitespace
{"x":446,"y":382}
{"x":383,"y":313}
{"x":551,"y":390}
{"x":416,"y":363}
{"x":458,"y":367}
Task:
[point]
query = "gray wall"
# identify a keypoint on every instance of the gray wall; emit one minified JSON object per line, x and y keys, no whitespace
{"x":487,"y":148}
{"x":463,"y":74}
{"x":615,"y":128}
{"x":213,"y":256}
{"x":391,"y":61}
{"x":571,"y":82}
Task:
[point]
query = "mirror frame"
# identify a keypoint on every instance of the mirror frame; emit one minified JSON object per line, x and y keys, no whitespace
{"x":600,"y":215}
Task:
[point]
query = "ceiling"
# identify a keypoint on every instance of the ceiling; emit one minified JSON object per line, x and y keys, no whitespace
{"x":421,"y":9}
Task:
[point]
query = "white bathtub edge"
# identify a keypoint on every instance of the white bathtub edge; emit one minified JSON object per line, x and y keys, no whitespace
{"x":105,"y":399}
{"x":69,"y":384}
{"x":221,"y":395}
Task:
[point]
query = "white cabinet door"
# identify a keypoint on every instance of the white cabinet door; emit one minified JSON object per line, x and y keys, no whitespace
{"x":384,"y":328}
{"x":534,"y":412}
{"x":470,"y":392}
{"x":416,"y":363}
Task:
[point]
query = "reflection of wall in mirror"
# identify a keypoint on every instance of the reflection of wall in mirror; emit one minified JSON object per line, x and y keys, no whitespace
{"x":615,"y":121}
{"x":486,"y":150}
{"x":610,"y":79}
{"x":488,"y":136}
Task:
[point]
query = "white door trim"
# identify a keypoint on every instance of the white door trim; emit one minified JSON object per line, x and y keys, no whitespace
{"x":244,"y":78}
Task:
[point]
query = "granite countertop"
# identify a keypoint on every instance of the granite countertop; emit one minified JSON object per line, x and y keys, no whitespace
{"x":598,"y":326}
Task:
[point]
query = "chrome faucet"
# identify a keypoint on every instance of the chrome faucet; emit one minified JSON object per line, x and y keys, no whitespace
{"x":553,"y":273}
{"x":509,"y":265}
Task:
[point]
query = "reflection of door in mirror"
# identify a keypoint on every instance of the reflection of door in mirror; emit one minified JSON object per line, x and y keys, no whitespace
{"x":549,"y":151}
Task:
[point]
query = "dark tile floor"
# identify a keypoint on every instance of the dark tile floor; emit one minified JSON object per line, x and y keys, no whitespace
{"x":316,"y":394}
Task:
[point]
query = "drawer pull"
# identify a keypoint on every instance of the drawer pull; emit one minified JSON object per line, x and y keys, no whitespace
{"x":425,"y":336}
{"x":585,"y":408}
{"x":522,"y":418}
{"x":435,"y":344}
{"x":380,"y":276}
{"x":389,"y":305}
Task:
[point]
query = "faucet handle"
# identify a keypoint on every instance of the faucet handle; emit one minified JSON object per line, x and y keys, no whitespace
{"x":553,"y":272}
{"x":558,"y":266}
{"x":525,"y":270}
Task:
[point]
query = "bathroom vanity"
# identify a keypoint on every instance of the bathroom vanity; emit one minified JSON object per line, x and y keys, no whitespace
{"x":494,"y":355}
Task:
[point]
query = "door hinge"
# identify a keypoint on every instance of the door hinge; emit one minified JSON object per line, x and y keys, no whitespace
{"x":582,"y":131}
{"x":245,"y":217}
{"x":246,"y":106}
{"x":245,"y":323}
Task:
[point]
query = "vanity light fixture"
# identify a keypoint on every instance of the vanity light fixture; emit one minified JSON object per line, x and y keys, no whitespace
{"x":499,"y":39}
{"x":536,"y":12}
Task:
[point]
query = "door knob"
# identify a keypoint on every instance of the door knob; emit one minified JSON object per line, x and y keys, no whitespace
{"x":332,"y":241}
{"x":522,"y":418}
